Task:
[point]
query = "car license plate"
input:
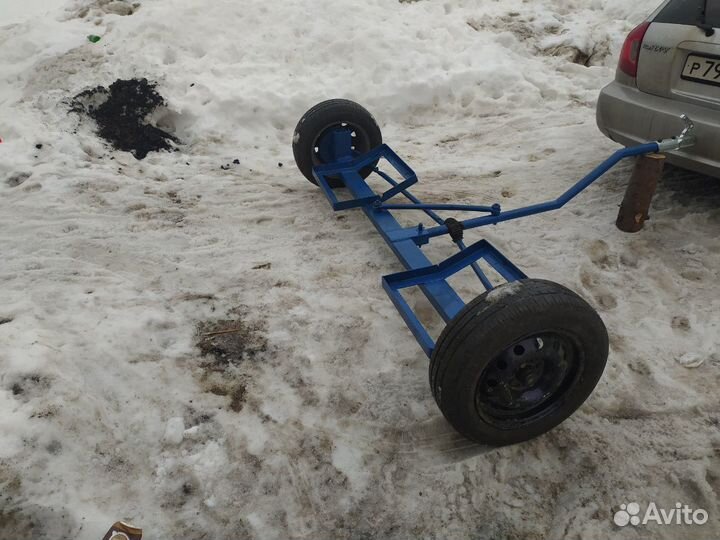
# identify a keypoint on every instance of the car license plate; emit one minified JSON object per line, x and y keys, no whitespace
{"x":702,"y":69}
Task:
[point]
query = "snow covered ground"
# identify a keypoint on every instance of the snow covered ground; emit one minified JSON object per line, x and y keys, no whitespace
{"x":320,"y":424}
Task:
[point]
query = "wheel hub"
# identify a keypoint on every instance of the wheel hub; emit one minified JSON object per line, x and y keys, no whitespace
{"x":525,"y":380}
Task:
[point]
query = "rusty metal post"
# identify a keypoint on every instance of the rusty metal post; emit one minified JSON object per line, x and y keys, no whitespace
{"x":635,"y":208}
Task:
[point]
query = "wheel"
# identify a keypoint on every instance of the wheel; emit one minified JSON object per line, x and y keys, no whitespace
{"x":320,"y":121}
{"x":517,"y":361}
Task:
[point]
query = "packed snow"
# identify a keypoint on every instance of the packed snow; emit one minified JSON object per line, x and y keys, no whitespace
{"x":202,"y":348}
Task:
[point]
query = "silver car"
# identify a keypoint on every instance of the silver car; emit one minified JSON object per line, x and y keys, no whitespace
{"x":669,"y":65}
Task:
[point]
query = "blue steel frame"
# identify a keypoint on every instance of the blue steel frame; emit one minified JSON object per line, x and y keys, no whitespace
{"x":406,"y":242}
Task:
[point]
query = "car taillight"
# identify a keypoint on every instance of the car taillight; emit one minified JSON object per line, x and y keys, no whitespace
{"x":631,"y":50}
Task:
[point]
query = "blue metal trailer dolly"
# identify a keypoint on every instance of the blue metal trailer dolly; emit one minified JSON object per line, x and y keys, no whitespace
{"x":526,"y":353}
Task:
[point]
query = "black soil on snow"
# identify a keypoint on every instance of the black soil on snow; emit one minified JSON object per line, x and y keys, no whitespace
{"x":121,"y":112}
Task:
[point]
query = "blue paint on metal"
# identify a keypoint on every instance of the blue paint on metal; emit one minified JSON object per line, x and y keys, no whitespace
{"x":423,"y":206}
{"x":442,"y":296}
{"x":478,"y":271}
{"x":335,"y":145}
{"x":540,"y":208}
{"x":406,"y":242}
{"x":409,"y":196}
{"x":346,"y":165}
{"x":422,"y":277}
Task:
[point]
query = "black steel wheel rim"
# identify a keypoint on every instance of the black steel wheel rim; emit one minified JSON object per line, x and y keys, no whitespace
{"x":527,"y":380}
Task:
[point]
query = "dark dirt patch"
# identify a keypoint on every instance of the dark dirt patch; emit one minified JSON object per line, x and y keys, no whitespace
{"x":237,"y":397}
{"x":29,"y":386}
{"x":229,"y":342}
{"x":196,"y":417}
{"x":97,"y":9}
{"x":226,"y":347}
{"x":54,"y":447}
{"x":236,"y":390}
{"x":182,"y":486}
{"x":583,"y":57}
{"x":16,"y":179}
{"x":5,"y":320}
{"x":20,"y":518}
{"x":47,"y":411}
{"x":573,"y":54}
{"x":36,"y":522}
{"x":681,"y":322}
{"x":122,"y":113}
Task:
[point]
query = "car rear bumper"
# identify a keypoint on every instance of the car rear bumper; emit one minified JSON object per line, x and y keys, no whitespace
{"x":629,"y":116}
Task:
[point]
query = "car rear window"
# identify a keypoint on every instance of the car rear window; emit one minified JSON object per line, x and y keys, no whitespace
{"x":689,"y":12}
